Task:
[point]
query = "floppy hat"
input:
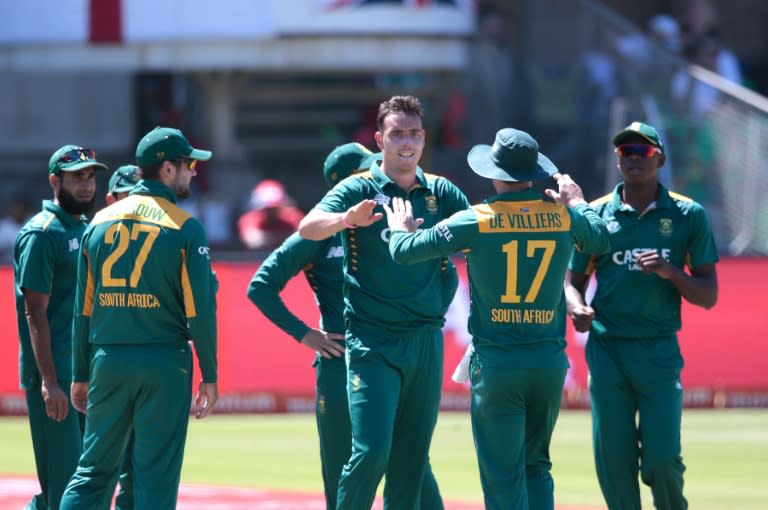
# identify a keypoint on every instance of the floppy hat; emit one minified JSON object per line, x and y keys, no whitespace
{"x":71,"y":158}
{"x":514,"y":157}
{"x":124,"y":178}
{"x":163,"y":143}
{"x":642,"y":129}
{"x":345,"y":160}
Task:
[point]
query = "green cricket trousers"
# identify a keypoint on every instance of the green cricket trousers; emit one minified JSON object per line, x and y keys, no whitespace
{"x":637,"y":403}
{"x":334,"y":429}
{"x":57,"y":446}
{"x":144,"y":389}
{"x":393,"y":384}
{"x":514,"y":411}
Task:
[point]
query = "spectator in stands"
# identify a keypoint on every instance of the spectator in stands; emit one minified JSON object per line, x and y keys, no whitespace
{"x":704,"y":47}
{"x":271,"y":219}
{"x":492,"y":84}
{"x":16,"y":214}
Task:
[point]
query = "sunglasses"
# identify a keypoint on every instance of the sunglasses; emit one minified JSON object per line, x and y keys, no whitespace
{"x":78,"y":154}
{"x":643,"y":150}
{"x":191,"y":163}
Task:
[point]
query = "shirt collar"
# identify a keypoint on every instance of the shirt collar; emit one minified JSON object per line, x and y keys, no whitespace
{"x":155,"y":188}
{"x":514,"y":196}
{"x":382,"y":180}
{"x":67,"y":219}
{"x":663,"y":200}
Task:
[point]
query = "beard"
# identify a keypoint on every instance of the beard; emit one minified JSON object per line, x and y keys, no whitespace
{"x":182,"y":193}
{"x":72,"y":205}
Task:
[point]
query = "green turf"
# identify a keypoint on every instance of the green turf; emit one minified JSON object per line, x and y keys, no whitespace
{"x":726,"y":453}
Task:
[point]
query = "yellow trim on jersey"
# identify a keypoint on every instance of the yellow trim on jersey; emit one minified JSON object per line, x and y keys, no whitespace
{"x":89,"y":289}
{"x":150,"y":209}
{"x":48,"y":221}
{"x":601,"y":200}
{"x":529,"y":216}
{"x":678,"y":196}
{"x":186,"y":286}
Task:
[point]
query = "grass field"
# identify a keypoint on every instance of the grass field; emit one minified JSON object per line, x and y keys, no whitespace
{"x":726,"y":453}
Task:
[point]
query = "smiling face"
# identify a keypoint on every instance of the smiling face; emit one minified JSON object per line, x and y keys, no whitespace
{"x":401,"y":140}
{"x":638,"y":169}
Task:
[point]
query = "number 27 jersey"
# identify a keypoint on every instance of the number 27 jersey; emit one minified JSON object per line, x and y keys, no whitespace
{"x":144,"y":277}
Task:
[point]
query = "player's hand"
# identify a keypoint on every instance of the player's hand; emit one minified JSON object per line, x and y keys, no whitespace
{"x":568,"y":192}
{"x":324,"y":343}
{"x":205,"y":400}
{"x":362,"y":215}
{"x":651,"y":261}
{"x":582,"y":316}
{"x":79,"y":394}
{"x":56,"y":401}
{"x":400,"y":216}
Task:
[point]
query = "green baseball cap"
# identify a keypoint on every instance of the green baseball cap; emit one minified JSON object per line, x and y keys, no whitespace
{"x":163,"y":143}
{"x":71,"y":158}
{"x":346,"y":160}
{"x":642,"y":129}
{"x":123,"y":179}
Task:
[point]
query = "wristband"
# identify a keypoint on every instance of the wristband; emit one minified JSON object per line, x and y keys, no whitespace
{"x":344,"y":221}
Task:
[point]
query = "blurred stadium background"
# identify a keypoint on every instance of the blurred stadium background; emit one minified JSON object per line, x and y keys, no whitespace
{"x":271,"y":86}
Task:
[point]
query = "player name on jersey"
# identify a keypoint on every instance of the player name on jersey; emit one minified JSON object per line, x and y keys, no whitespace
{"x":128,"y":300}
{"x":517,"y":316}
{"x":498,"y":218}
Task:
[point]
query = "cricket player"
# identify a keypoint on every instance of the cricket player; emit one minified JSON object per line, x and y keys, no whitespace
{"x":632,"y":350}
{"x":44,"y":274}
{"x":144,"y":288}
{"x":393,"y":313}
{"x":121,"y":182}
{"x":517,"y":247}
{"x":321,"y":262}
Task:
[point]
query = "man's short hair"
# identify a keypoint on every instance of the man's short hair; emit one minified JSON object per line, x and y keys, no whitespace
{"x":408,"y":105}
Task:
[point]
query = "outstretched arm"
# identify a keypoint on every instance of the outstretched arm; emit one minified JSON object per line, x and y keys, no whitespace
{"x":318,"y":224}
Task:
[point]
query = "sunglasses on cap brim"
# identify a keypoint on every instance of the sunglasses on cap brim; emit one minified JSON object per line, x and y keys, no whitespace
{"x":78,"y":154}
{"x":642,"y":150}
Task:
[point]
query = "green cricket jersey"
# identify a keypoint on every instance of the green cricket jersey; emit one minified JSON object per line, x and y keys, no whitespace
{"x":144,"y":277}
{"x":628,"y":302}
{"x":517,"y":248}
{"x":321,"y":262}
{"x":379,"y":294}
{"x":45,"y":261}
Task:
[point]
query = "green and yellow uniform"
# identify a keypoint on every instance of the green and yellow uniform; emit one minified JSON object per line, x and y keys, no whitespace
{"x":321,"y":262}
{"x":45,"y":261}
{"x":517,"y":248}
{"x":144,"y":288}
{"x":632,"y":351}
{"x":393,"y":339}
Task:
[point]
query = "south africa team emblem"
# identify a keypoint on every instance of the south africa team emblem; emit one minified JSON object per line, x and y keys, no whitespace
{"x":431,"y":203}
{"x":665,"y":226}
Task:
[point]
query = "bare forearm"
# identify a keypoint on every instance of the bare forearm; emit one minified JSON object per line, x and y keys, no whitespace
{"x":318,"y":225}
{"x":40,"y":338}
{"x":697,"y":290}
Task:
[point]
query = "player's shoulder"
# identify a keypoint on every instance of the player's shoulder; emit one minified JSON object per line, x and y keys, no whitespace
{"x":602,"y":201}
{"x":686,"y":205}
{"x":359,"y":178}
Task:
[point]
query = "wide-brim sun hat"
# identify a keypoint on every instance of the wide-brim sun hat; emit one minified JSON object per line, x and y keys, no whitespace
{"x":513,"y":157}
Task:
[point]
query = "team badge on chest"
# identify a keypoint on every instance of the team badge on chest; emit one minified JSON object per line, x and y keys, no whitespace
{"x":430,"y":202}
{"x":665,"y":226}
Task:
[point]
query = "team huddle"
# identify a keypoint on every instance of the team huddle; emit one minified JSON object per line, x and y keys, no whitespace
{"x":109,"y":390}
